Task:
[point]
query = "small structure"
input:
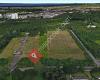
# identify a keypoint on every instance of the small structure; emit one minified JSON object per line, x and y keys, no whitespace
{"x":48,"y":15}
{"x":80,"y":78}
{"x":91,"y":26}
{"x":22,"y":16}
{"x":51,"y":14}
{"x":70,"y":12}
{"x":27,"y":33}
{"x":1,"y":16}
{"x":28,"y":15}
{"x":11,"y":16}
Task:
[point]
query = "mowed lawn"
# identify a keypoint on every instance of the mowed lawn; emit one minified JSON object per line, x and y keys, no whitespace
{"x":32,"y":42}
{"x":63,"y":46}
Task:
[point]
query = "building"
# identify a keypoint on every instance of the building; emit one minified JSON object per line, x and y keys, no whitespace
{"x":49,"y":15}
{"x":1,"y":16}
{"x":22,"y":16}
{"x":91,"y":26}
{"x":11,"y":16}
{"x":25,"y":15}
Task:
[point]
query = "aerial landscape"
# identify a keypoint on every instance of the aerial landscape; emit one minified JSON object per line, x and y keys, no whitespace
{"x":50,"y":41}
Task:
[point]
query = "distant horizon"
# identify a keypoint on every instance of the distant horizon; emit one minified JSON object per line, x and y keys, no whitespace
{"x":40,"y":4}
{"x":49,"y":1}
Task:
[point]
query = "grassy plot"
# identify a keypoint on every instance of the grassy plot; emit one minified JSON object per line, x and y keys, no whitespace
{"x":63,"y":46}
{"x":9,"y":49}
{"x":1,"y":36}
{"x":97,"y":41}
{"x":32,"y":43}
{"x":87,"y":73}
{"x":42,"y":40}
{"x":14,"y":44}
{"x":80,"y":74}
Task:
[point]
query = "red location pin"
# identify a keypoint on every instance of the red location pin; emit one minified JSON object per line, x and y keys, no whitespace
{"x":34,"y":56}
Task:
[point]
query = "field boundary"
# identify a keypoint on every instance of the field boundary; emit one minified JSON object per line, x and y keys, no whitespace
{"x":69,"y":49}
{"x":85,"y":49}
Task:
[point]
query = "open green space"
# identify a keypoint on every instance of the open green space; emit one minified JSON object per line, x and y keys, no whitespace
{"x":9,"y":49}
{"x":62,"y":51}
{"x":16,"y":28}
{"x":32,"y":42}
{"x":97,"y":41}
{"x":63,"y":46}
{"x":42,"y":41}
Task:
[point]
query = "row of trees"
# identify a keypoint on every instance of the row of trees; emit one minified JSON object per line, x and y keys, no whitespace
{"x":34,"y":26}
{"x":88,"y":37}
{"x":54,"y":68}
{"x":65,"y":62}
{"x":4,"y":40}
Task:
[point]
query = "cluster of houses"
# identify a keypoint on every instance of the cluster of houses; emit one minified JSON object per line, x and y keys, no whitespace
{"x":26,"y":15}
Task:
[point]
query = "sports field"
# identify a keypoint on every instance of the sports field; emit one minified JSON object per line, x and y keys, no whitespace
{"x":33,"y":42}
{"x":63,"y":46}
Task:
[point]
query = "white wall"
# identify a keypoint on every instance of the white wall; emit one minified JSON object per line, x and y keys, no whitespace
{"x":11,"y":16}
{"x":1,"y":16}
{"x":14,"y":16}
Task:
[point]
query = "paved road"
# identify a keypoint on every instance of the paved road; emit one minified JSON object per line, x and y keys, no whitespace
{"x":17,"y":53}
{"x":88,"y":52}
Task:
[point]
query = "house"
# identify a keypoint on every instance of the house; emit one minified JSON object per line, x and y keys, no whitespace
{"x":11,"y":15}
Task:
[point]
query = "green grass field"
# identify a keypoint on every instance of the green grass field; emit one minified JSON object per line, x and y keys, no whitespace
{"x":63,"y":46}
{"x":33,"y":42}
{"x":9,"y":49}
{"x":97,"y":41}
